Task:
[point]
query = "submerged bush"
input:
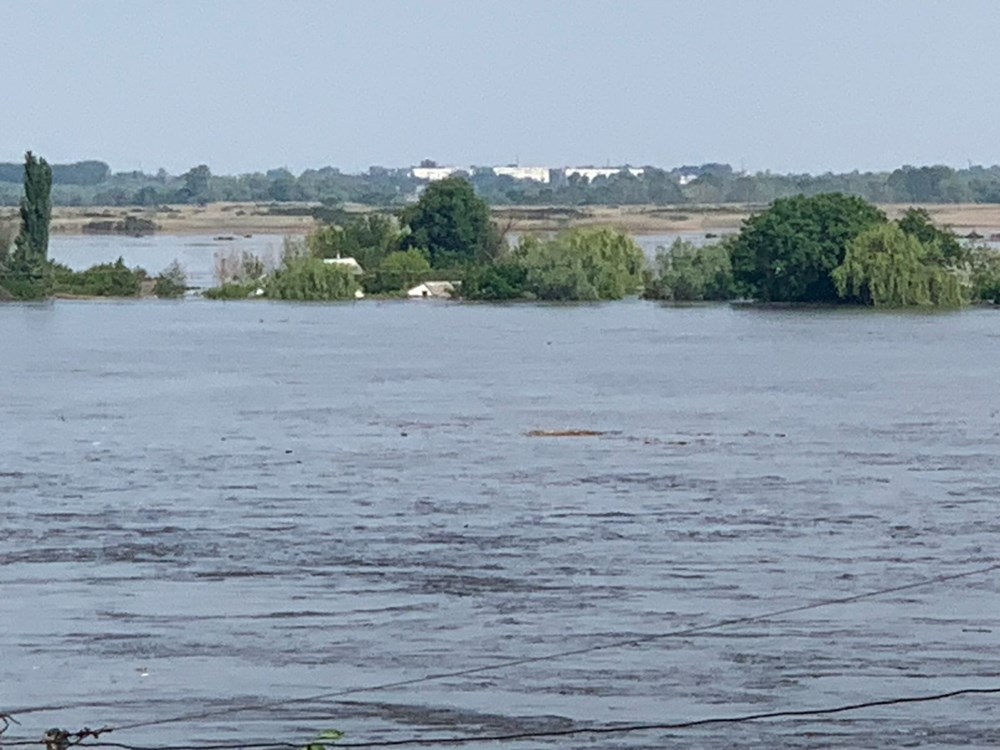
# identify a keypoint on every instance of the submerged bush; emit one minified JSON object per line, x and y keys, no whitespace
{"x":172,"y":281}
{"x":685,"y":273}
{"x":233,"y":290}
{"x":103,"y":280}
{"x":309,"y":279}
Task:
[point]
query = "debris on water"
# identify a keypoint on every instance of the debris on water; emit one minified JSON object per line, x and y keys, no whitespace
{"x":565,"y":433}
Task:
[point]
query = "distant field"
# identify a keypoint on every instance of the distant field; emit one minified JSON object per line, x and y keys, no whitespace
{"x":250,"y":218}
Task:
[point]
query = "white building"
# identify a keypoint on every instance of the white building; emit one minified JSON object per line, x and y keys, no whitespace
{"x":432,"y":174}
{"x":537,"y":174}
{"x":591,"y":173}
{"x":432,"y":290}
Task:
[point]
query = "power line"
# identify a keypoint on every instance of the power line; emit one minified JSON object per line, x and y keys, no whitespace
{"x":599,"y":730}
{"x":638,"y":640}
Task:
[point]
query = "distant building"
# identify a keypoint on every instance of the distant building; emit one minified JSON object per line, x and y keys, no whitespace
{"x":591,"y":173}
{"x":433,"y":174}
{"x":536,"y":174}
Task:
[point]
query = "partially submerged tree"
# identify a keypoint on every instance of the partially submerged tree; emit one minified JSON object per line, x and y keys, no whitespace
{"x":685,"y":273}
{"x":786,"y":253}
{"x":886,"y":267}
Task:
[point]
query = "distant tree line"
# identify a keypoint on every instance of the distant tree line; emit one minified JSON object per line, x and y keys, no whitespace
{"x":92,"y":183}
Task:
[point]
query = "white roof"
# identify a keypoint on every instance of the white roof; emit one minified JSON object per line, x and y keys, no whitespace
{"x":432,"y":289}
{"x":348,"y":262}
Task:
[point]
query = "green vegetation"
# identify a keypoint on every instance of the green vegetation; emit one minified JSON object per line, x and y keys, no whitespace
{"x":787,"y":253}
{"x":103,"y":280}
{"x":368,"y":239}
{"x":451,"y":224}
{"x":309,"y":279}
{"x":24,"y":270}
{"x":886,"y":267}
{"x":685,"y":273}
{"x":984,"y":274}
{"x":398,"y":272}
{"x":172,"y":282}
{"x":579,"y":265}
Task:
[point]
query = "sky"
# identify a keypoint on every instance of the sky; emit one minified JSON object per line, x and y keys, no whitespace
{"x":247,"y":85}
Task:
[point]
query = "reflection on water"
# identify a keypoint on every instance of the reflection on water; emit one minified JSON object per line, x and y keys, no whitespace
{"x":210,"y":504}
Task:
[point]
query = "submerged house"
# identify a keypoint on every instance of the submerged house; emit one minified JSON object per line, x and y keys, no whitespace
{"x":433,"y":290}
{"x":349,"y":263}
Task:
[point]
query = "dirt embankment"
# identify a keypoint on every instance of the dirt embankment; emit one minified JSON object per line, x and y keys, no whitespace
{"x":253,"y":218}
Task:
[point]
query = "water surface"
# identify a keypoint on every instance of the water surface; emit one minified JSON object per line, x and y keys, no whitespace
{"x":213,"y":504}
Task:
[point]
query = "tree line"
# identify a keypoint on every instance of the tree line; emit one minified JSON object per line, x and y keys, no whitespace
{"x":830,"y":248}
{"x":826,"y":249}
{"x":92,"y":183}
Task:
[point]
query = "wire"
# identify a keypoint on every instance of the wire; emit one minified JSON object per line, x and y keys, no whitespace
{"x":556,"y":655}
{"x":604,"y":730}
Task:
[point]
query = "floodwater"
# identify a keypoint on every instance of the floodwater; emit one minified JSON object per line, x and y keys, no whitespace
{"x":210,"y":506}
{"x":197,"y":253}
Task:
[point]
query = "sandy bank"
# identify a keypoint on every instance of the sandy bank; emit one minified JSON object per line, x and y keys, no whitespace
{"x":252,"y":218}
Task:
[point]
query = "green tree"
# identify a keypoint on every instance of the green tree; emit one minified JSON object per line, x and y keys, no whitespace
{"x":786,"y":253}
{"x":452,"y":224}
{"x":24,"y":271}
{"x":196,"y":184}
{"x":685,"y":273}
{"x":942,"y":243}
{"x":400,"y":271}
{"x":172,"y":281}
{"x":582,"y":265}
{"x":309,"y":279}
{"x":886,"y":267}
{"x":495,"y":282}
{"x":985,"y":267}
{"x":368,"y":238}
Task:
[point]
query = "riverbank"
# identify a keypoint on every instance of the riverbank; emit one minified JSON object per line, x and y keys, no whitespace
{"x":226,"y":220}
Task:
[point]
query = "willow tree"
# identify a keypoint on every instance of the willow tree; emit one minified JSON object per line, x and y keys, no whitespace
{"x":25,"y":271}
{"x":886,"y":267}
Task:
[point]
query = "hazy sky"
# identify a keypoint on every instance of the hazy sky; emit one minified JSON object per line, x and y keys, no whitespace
{"x":796,"y":85}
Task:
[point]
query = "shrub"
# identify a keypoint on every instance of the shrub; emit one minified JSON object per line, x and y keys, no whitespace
{"x":172,"y":281}
{"x":309,"y":279}
{"x":685,"y":273}
{"x":103,"y":280}
{"x":400,"y":271}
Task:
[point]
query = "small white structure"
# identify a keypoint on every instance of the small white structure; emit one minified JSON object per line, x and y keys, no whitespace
{"x":349,"y":263}
{"x":433,"y":174}
{"x":432,"y":290}
{"x":537,"y":174}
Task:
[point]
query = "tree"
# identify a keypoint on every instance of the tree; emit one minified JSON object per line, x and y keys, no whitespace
{"x":942,"y":242}
{"x":401,"y":270}
{"x":451,"y":223}
{"x":172,"y":281}
{"x":196,"y":184}
{"x":581,"y":265}
{"x":309,"y":279}
{"x":886,"y":267}
{"x":24,"y":272}
{"x":368,"y":238}
{"x":685,"y":273}
{"x":786,"y":253}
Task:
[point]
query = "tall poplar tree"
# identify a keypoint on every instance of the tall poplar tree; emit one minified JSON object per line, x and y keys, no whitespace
{"x":25,"y":273}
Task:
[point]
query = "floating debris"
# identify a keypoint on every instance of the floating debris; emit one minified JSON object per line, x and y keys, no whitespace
{"x":565,"y":433}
